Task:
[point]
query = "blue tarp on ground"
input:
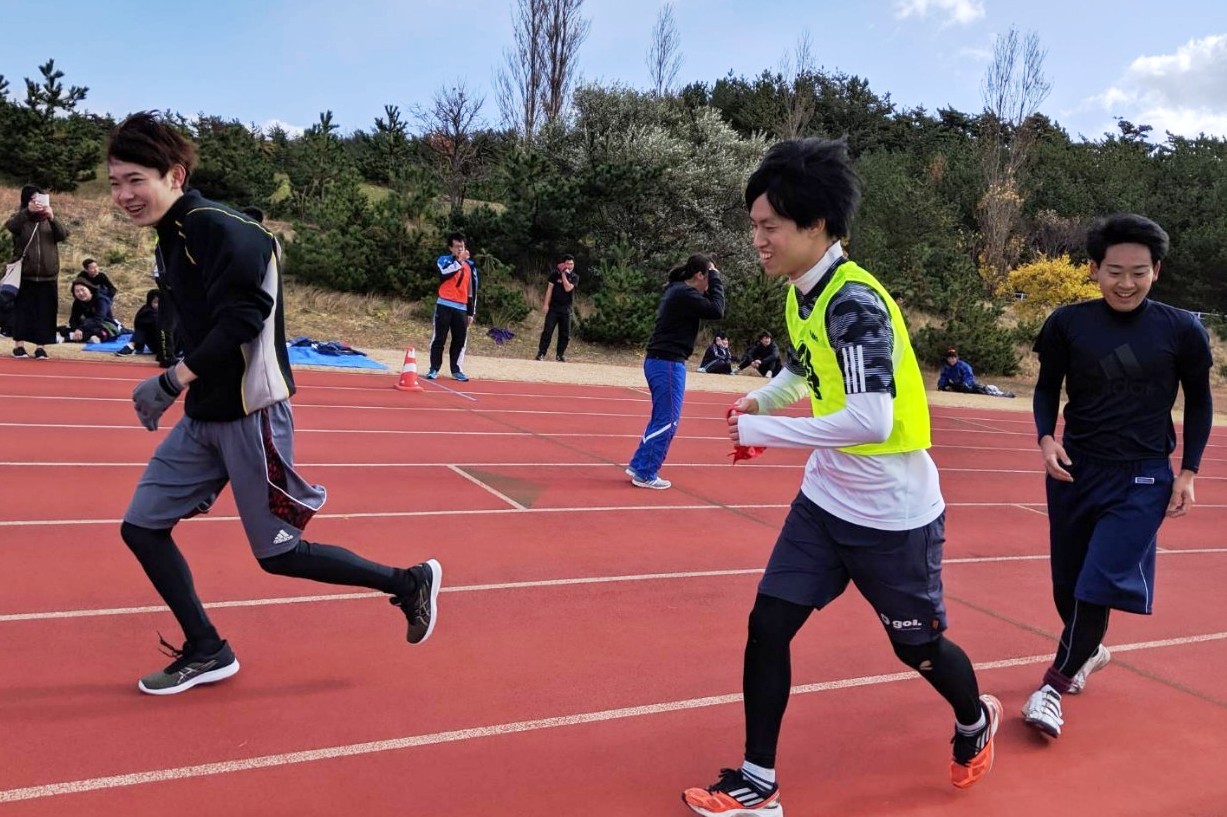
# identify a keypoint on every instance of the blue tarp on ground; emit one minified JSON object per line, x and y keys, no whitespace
{"x":308,"y":353}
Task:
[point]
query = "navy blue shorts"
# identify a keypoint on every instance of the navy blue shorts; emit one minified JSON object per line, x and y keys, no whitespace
{"x":1103,"y":530}
{"x":898,"y":572}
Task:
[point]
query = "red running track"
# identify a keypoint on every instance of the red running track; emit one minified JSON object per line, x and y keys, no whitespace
{"x":587,"y":659}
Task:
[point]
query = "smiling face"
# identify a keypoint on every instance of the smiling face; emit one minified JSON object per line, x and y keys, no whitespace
{"x":144,"y":193}
{"x":783,"y":248}
{"x":1125,"y":275}
{"x":82,"y":293}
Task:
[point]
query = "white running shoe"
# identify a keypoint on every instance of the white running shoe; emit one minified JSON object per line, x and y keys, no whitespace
{"x":656,"y":483}
{"x":1093,"y":664}
{"x":1043,"y":711}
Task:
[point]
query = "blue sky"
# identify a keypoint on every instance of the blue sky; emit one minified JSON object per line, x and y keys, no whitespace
{"x":1163,"y":64}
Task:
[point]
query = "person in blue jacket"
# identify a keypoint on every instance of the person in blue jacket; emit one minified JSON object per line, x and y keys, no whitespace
{"x":956,"y":375}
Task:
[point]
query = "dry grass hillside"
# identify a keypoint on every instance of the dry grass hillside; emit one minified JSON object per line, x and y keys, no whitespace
{"x":383,"y":326}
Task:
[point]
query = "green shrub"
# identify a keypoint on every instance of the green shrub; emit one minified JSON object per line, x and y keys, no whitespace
{"x":115,"y":257}
{"x":500,"y":302}
{"x":984,"y":344}
{"x":624,"y":310}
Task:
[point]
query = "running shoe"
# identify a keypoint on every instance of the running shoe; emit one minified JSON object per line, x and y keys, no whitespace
{"x":1093,"y":664}
{"x":190,"y":667}
{"x":125,"y":351}
{"x":432,"y":374}
{"x":20,"y":351}
{"x":420,"y":606}
{"x":733,"y":795}
{"x":656,"y":483}
{"x":1043,"y":711}
{"x":40,"y":354}
{"x":461,"y":376}
{"x":973,"y":754}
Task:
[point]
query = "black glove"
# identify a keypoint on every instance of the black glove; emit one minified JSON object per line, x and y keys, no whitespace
{"x":154,"y":396}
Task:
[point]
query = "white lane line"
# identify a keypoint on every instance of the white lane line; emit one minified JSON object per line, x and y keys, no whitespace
{"x":486,"y":487}
{"x":1040,"y":511}
{"x":526,"y":585}
{"x":20,"y":523}
{"x":515,"y":727}
{"x":467,"y":588}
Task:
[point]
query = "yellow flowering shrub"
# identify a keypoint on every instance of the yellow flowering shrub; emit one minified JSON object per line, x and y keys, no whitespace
{"x":1048,"y":283}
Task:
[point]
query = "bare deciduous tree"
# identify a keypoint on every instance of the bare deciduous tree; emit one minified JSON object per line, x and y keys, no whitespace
{"x":535,"y":82}
{"x":564,"y":34}
{"x":520,"y":80}
{"x":1014,"y":88}
{"x":798,"y":103}
{"x":448,"y":128}
{"x":665,"y":52}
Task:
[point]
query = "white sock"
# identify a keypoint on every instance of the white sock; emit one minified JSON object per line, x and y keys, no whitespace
{"x":973,"y":728}
{"x":763,"y":777}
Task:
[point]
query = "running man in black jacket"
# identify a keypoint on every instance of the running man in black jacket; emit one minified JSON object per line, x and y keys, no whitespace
{"x":221,"y":271}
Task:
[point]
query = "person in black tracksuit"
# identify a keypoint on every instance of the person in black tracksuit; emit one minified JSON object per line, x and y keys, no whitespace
{"x":695,"y":292}
{"x":559,"y":297}
{"x":221,"y":271}
{"x":763,"y":355}
{"x":1122,"y":359}
{"x":147,"y":331}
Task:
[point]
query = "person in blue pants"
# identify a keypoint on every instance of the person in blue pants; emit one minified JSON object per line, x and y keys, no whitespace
{"x":695,"y":292}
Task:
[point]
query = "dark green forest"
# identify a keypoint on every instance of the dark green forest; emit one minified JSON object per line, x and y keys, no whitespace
{"x":632,"y":181}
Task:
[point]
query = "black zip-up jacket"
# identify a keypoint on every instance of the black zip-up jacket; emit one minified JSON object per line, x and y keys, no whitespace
{"x":221,"y":271}
{"x":677,"y":320}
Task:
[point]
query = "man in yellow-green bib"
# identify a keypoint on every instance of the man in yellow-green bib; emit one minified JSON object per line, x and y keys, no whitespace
{"x":870,"y":509}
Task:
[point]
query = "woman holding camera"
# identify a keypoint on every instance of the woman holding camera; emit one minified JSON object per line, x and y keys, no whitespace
{"x":35,"y":236}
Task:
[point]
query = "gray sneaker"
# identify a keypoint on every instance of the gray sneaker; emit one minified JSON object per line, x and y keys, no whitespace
{"x":420,"y":607}
{"x":656,"y":483}
{"x":1093,"y":664}
{"x":190,"y":668}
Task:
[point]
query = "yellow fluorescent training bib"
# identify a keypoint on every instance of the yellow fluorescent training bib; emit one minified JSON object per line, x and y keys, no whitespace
{"x":910,"y":428}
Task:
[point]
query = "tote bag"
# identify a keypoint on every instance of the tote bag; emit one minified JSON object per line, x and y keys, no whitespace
{"x":11,"y":283}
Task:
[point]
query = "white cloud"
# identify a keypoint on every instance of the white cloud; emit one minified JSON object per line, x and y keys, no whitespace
{"x":962,"y":12}
{"x":293,"y":131}
{"x":1184,"y":92}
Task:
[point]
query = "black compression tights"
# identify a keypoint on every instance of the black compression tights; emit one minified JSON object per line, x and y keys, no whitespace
{"x":947,"y":668}
{"x":336,"y":565}
{"x":767,"y":674}
{"x":1085,"y":626}
{"x":172,"y":578}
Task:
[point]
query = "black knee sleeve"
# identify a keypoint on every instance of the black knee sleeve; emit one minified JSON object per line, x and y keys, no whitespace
{"x":143,"y":541}
{"x":776,"y":621}
{"x":920,"y":657}
{"x":288,"y":563}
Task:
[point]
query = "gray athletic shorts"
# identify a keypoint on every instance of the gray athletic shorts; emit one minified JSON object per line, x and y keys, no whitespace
{"x":898,"y":572}
{"x":254,"y":454}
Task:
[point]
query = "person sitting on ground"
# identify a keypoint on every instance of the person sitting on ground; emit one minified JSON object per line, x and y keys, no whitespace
{"x":147,"y":332}
{"x":91,"y":272}
{"x":763,"y":355}
{"x":90,"y":320}
{"x":718,"y":359}
{"x":957,"y":375}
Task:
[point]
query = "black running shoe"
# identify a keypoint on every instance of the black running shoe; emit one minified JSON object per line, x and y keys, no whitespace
{"x":40,"y":353}
{"x":190,"y":667}
{"x":734,"y":795}
{"x":20,"y":351}
{"x":420,"y":606}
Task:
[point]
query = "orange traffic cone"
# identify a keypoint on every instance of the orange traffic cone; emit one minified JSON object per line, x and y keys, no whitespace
{"x":409,"y":372}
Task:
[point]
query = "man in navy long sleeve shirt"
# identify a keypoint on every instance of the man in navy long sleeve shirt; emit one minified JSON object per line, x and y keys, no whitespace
{"x":1110,"y":485}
